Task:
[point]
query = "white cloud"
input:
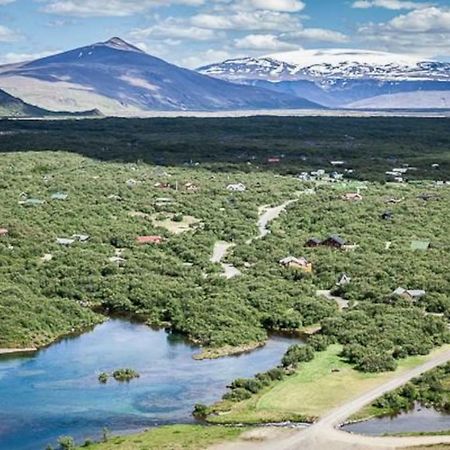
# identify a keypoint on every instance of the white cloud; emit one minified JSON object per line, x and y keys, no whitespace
{"x":11,"y":58}
{"x":278,"y":5}
{"x":248,"y":21}
{"x":263,"y":42}
{"x":173,"y":30}
{"x":319,"y":35}
{"x":207,"y":57}
{"x":117,"y":8}
{"x":423,"y":31}
{"x":432,"y":19}
{"x":389,"y":4}
{"x":8,"y":35}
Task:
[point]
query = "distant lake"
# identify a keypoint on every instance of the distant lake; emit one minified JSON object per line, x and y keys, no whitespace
{"x":418,"y":420}
{"x":56,"y":391}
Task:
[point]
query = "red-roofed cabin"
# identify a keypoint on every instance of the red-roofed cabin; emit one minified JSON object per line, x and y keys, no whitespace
{"x":149,"y":240}
{"x":3,"y":231}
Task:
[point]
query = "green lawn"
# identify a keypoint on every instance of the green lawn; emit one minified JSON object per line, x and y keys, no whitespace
{"x":318,"y":386}
{"x":175,"y":437}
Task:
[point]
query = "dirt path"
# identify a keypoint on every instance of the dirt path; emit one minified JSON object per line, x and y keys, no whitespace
{"x":342,"y":303}
{"x":268,"y":214}
{"x":324,"y":435}
{"x":220,"y":251}
{"x":221,"y":248}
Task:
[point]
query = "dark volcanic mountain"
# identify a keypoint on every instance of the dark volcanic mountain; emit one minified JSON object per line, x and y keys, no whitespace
{"x":117,"y":77}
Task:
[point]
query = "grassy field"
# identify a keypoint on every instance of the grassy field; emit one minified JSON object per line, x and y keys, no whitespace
{"x":176,"y":437}
{"x":317,"y":387}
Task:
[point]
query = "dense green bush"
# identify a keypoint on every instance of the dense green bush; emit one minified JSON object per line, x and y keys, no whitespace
{"x":297,"y":354}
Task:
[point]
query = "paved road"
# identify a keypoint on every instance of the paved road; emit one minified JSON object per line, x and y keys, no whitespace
{"x":324,"y":435}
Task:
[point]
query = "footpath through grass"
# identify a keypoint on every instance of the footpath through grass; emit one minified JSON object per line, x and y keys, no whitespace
{"x":316,"y":388}
{"x":174,"y":437}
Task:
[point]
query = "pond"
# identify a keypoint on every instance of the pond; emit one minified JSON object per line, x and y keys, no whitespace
{"x":420,"y":419}
{"x":56,"y":391}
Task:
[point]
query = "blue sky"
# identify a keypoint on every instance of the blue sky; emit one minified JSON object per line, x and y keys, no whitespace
{"x":196,"y":32}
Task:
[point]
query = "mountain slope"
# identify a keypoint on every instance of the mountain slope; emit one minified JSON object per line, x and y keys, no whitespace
{"x":12,"y":107}
{"x":343,"y":78}
{"x":117,"y":77}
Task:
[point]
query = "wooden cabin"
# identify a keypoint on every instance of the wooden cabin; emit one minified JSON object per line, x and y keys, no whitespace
{"x":291,"y":262}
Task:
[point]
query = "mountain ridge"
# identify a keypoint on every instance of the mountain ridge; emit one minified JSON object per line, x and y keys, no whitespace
{"x":118,"y":78}
{"x":338,"y":78}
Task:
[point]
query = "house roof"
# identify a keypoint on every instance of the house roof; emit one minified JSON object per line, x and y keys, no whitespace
{"x":292,"y":259}
{"x":413,"y":293}
{"x":81,"y":237}
{"x":420,"y":245}
{"x":314,"y":240}
{"x":352,"y":196}
{"x":3,"y":231}
{"x":59,"y":196}
{"x":149,"y":239}
{"x":236,"y":186}
{"x":65,"y":241}
{"x":399,"y":291}
{"x":337,"y":239}
{"x":32,"y":201}
{"x":416,"y":293}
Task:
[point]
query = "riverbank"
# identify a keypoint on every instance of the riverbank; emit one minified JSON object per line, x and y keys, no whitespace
{"x":316,"y":388}
{"x":227,"y":350}
{"x":12,"y":351}
{"x":48,"y":341}
{"x":173,"y":437}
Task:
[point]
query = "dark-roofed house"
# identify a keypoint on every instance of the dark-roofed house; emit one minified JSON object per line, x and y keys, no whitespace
{"x":334,"y":241}
{"x":313,"y":242}
{"x":387,"y":215}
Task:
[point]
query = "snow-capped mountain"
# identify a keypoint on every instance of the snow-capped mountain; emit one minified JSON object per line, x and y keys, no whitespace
{"x":343,"y":77}
{"x":118,"y":78}
{"x":263,"y":68}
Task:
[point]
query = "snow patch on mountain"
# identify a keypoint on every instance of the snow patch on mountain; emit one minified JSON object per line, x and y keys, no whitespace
{"x":307,"y":58}
{"x":327,"y":65}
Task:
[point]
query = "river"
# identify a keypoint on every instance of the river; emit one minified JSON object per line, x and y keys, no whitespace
{"x":420,"y":419}
{"x":56,"y":392}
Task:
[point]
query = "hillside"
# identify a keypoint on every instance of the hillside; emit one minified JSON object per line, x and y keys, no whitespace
{"x":13,"y":107}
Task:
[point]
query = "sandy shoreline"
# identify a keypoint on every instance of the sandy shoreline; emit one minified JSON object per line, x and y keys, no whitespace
{"x":11,"y":351}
